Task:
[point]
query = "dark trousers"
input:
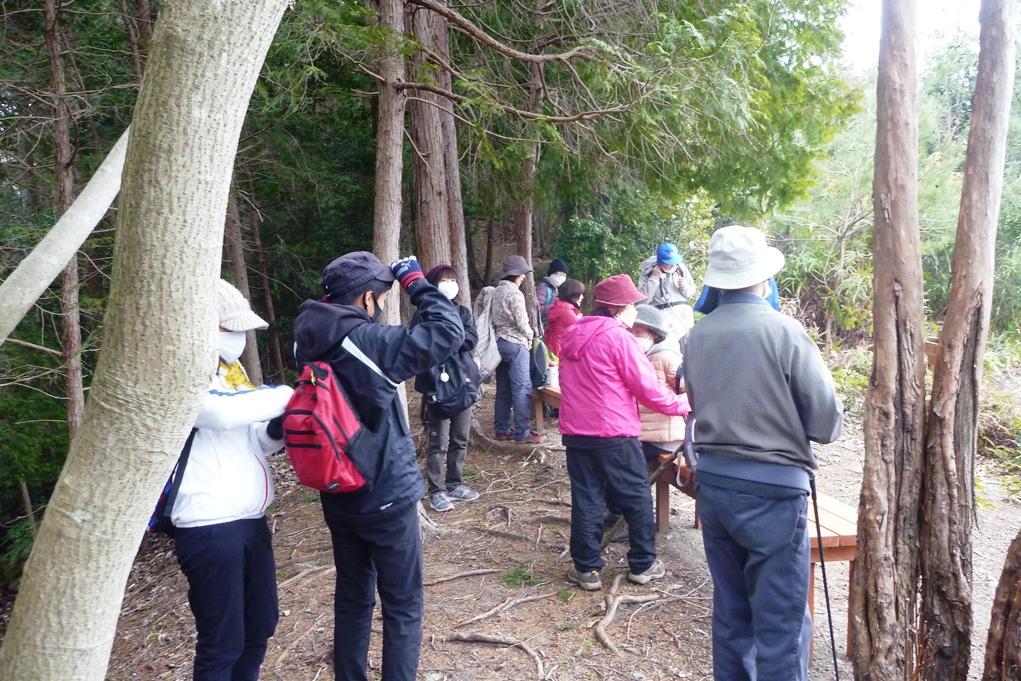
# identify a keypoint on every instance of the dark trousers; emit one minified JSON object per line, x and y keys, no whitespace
{"x":232,"y":592}
{"x":513,"y":390}
{"x":383,"y":554}
{"x":448,"y":441}
{"x":757,"y":550}
{"x":613,"y":473}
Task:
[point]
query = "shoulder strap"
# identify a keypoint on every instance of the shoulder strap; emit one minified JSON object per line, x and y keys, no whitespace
{"x":182,"y":463}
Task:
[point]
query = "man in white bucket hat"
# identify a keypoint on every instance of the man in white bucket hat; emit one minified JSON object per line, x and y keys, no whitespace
{"x":760,"y":393}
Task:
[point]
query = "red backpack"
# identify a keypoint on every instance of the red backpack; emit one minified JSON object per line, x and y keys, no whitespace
{"x":319,"y":423}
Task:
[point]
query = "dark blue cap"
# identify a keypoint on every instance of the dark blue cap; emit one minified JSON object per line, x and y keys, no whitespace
{"x":352,"y":273}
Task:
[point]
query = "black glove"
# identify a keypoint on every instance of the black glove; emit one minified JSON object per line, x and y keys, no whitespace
{"x":275,"y":428}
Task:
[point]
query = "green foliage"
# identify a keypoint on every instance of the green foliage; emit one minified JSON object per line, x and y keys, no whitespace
{"x":518,"y":578}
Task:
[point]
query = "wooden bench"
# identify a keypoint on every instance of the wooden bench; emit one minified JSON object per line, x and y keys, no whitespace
{"x":550,"y":395}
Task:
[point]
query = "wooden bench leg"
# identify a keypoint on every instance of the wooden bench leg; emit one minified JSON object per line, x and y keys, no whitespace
{"x":537,"y":404}
{"x":662,"y":506}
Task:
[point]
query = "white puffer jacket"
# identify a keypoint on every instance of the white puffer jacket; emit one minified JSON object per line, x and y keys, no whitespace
{"x":227,"y":477}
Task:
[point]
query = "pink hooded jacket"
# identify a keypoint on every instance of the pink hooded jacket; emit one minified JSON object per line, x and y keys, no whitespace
{"x":603,"y":377}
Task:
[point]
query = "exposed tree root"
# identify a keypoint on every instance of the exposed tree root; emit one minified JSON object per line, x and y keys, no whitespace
{"x":459,"y":575}
{"x":501,"y":641}
{"x":503,"y":607}
{"x":613,"y":602}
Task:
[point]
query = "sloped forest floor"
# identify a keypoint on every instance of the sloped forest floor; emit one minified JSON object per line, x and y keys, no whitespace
{"x":497,"y":603}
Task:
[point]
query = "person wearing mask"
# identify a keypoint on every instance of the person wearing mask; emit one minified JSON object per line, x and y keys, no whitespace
{"x":222,"y":540}
{"x":514,"y":335}
{"x":375,"y":533}
{"x":448,"y":437}
{"x":604,"y":375}
{"x":669,"y":286}
{"x":546,"y":290}
{"x":566,"y":310}
{"x":762,"y":395}
{"x":661,"y":434}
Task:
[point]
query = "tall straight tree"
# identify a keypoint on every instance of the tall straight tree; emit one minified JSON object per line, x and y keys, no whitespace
{"x":234,"y":252}
{"x":70,"y":319}
{"x":952,"y":425}
{"x":883,"y":608}
{"x":158,"y":346}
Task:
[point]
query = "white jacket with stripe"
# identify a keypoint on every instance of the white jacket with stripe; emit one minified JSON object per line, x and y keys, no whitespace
{"x":227,"y":477}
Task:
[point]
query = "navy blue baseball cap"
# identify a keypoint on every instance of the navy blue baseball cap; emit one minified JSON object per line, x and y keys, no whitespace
{"x":352,"y":273}
{"x":667,"y":254}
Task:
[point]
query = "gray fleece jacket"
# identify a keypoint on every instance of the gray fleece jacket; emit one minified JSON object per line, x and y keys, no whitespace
{"x":758,"y":386}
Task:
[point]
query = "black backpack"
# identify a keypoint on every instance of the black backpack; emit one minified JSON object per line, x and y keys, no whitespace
{"x":451,"y":391}
{"x":159,"y":521}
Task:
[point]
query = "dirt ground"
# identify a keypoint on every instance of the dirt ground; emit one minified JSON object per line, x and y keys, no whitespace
{"x":507,"y":551}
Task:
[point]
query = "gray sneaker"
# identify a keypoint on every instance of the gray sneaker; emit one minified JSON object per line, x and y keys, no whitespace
{"x":654,"y":571}
{"x":589,"y":581}
{"x":462,"y":493}
{"x":440,"y":502}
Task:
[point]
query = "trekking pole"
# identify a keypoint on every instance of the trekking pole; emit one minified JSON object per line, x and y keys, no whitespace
{"x":825,"y":584}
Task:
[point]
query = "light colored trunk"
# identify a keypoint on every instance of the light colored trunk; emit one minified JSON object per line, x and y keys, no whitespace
{"x":70,"y":319}
{"x":432,"y":220}
{"x":234,"y":248}
{"x":883,"y":607}
{"x":1003,"y":647}
{"x":952,"y":427}
{"x":22,"y":287}
{"x":154,"y":366}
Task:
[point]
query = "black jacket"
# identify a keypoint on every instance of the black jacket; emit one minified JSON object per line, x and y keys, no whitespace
{"x":400,"y":353}
{"x":424,"y":381}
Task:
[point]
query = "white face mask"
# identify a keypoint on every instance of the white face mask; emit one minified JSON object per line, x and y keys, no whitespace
{"x":230,"y":345}
{"x":558,"y":279}
{"x":645,"y":343}
{"x":628,"y":316}
{"x":449,"y":288}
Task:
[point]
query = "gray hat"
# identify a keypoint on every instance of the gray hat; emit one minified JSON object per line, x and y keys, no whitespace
{"x":235,"y":312}
{"x":654,"y":320}
{"x":515,"y":265}
{"x":352,"y":273}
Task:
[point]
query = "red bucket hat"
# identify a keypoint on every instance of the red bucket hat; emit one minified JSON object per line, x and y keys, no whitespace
{"x":617,"y":290}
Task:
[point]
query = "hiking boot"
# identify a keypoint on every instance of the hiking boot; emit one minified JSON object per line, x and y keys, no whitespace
{"x":530,"y":439}
{"x":589,"y":581}
{"x":462,"y":493}
{"x":504,"y":437}
{"x":440,"y":502}
{"x":654,"y":571}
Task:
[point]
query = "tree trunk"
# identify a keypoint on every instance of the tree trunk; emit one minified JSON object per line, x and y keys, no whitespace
{"x":525,"y":213}
{"x":386,"y":223}
{"x":234,"y":247}
{"x":487,"y":277}
{"x":952,"y":427}
{"x":1003,"y":647}
{"x":131,"y":29}
{"x":883,"y":607}
{"x":70,"y":318}
{"x":432,"y":206}
{"x":276,"y":353}
{"x":451,"y":162}
{"x":22,"y":287}
{"x":26,"y":503}
{"x":154,"y":366}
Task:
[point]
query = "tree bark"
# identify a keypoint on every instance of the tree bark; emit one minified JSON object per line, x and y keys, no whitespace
{"x":952,"y":426}
{"x":1003,"y":647}
{"x":524,"y":214}
{"x":451,"y":162}
{"x":157,"y":353}
{"x":883,"y":607}
{"x":36,"y":272}
{"x":276,"y":353}
{"x":70,"y":319}
{"x":431,"y":208}
{"x":234,"y":248}
{"x":386,"y":235}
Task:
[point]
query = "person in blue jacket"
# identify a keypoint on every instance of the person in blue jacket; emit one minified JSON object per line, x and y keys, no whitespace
{"x":376,"y":541}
